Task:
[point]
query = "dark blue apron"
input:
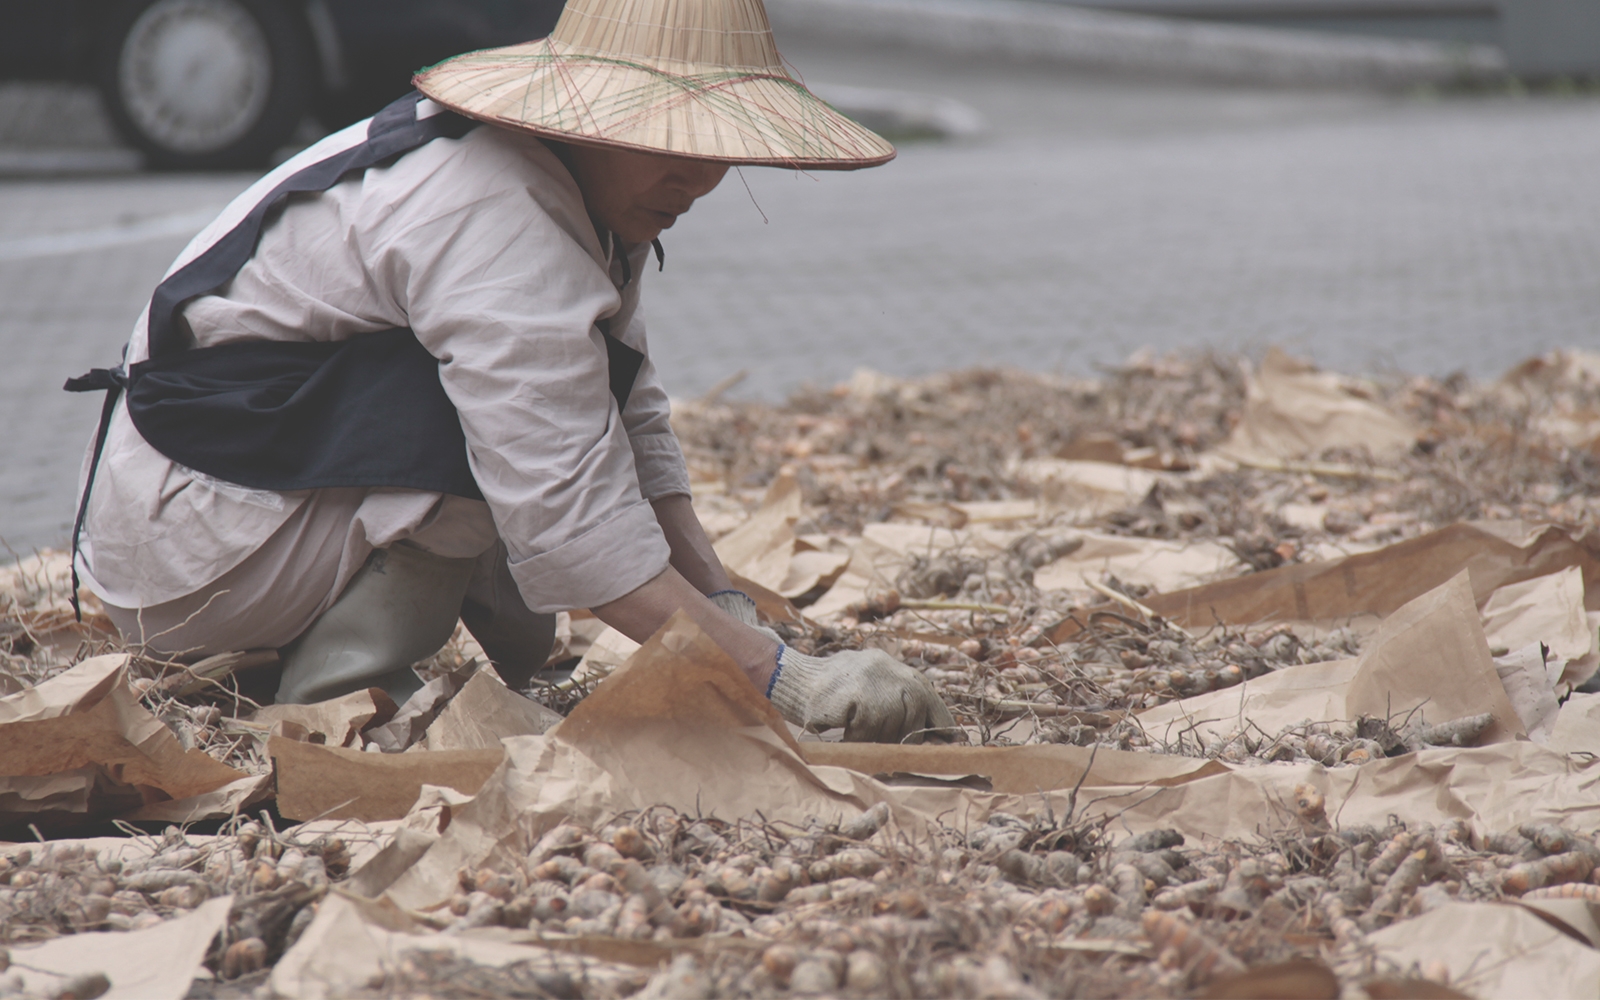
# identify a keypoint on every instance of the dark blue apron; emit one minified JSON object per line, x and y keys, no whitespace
{"x":367,"y":411}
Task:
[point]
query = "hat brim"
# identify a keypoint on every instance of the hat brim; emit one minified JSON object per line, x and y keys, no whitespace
{"x":747,"y":117}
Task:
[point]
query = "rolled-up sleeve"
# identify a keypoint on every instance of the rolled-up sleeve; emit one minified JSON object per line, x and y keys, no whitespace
{"x":498,"y":284}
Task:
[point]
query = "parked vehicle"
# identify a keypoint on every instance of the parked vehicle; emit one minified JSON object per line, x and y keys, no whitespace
{"x":211,"y":84}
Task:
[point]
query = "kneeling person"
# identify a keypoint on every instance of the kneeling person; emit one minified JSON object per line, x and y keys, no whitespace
{"x":403,"y":380}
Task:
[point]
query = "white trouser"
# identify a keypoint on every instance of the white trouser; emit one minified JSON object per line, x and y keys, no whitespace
{"x":288,"y":595}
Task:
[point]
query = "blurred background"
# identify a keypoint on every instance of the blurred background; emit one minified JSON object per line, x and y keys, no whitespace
{"x":1375,"y":184}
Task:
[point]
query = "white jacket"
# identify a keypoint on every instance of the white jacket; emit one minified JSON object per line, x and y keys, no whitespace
{"x":482,"y":246}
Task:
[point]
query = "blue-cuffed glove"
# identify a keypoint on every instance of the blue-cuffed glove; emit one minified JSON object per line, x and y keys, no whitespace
{"x":742,"y":607}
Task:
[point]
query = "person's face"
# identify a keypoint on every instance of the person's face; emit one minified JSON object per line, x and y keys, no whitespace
{"x":637,"y":195}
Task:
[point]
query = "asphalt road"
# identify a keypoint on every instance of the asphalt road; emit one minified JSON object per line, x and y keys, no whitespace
{"x":1093,"y":216}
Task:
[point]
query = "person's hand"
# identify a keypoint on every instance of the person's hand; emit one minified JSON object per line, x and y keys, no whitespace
{"x":742,"y":608}
{"x":874,"y":697}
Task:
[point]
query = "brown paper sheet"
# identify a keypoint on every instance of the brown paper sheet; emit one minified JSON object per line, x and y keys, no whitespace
{"x":609,"y":650}
{"x":353,"y":942}
{"x":1017,"y":770}
{"x":483,"y":713}
{"x":762,"y":547}
{"x":1430,"y":657}
{"x":1495,"y":788}
{"x":1147,"y":562}
{"x":1088,"y":489}
{"x":60,"y":795}
{"x":1381,"y":581}
{"x":814,"y":567}
{"x":1529,"y":681}
{"x":1493,"y":951}
{"x":412,"y":719}
{"x":90,"y":717}
{"x":1547,"y":609}
{"x":64,"y":693}
{"x":1311,"y":692}
{"x":157,"y":963}
{"x":334,"y":783}
{"x":340,"y":720}
{"x":401,"y":852}
{"x":1293,"y":411}
{"x":703,"y":687}
{"x":1577,"y":729}
{"x":1575,"y":918}
{"x":770,"y":604}
{"x":229,"y":800}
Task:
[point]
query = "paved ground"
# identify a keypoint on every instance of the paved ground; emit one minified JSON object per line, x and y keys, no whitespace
{"x":1096,"y":215}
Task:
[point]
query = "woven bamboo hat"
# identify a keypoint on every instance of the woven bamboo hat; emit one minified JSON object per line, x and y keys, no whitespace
{"x":698,"y":78}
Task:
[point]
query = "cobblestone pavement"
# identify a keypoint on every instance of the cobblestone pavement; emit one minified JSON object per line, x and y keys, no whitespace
{"x":1095,"y":215}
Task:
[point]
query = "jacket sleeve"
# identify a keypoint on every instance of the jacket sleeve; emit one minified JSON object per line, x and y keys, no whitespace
{"x":491,"y":268}
{"x":657,"y":455}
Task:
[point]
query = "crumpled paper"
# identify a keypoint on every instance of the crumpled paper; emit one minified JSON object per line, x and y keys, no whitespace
{"x":1530,"y":680}
{"x":1312,"y":692}
{"x":229,"y":800}
{"x":483,"y":713}
{"x":1087,"y":490}
{"x":765,"y":549}
{"x":1429,"y":658}
{"x":411,"y":720}
{"x":1493,"y":950}
{"x":1018,"y":770}
{"x":82,"y":741}
{"x":1549,"y":610}
{"x":353,"y":943}
{"x":1159,"y":564}
{"x":339,"y":720}
{"x":885,"y":550}
{"x":1292,"y":411}
{"x":157,"y":963}
{"x":1494,"y":788}
{"x":320,"y":782}
{"x":1378,"y":582}
{"x":1577,"y":728}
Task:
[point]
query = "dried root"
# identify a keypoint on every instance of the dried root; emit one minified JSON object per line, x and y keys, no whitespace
{"x":1463,"y":732}
{"x":1181,"y":946}
{"x":1586,"y":891}
{"x":1574,"y":866}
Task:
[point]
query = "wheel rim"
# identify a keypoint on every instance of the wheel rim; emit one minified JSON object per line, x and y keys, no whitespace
{"x":195,"y":75}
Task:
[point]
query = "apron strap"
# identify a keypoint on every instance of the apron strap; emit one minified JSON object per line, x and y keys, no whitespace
{"x":394,"y":130}
{"x":112,"y":381}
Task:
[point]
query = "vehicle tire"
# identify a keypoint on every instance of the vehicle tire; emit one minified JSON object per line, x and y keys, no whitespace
{"x":205,"y":84}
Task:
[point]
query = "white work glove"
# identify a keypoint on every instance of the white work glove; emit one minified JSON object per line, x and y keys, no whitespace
{"x":742,"y":607}
{"x":873,"y":696}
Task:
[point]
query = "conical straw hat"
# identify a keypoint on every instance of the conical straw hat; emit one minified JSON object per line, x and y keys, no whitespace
{"x":697,"y":78}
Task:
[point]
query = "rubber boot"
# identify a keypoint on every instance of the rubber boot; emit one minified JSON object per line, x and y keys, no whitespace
{"x":399,"y":609}
{"x":516,"y":640}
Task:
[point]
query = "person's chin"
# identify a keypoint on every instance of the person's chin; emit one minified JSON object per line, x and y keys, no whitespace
{"x":659,"y":222}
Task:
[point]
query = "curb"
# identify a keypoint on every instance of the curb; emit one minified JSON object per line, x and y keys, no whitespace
{"x":16,"y":163}
{"x":1093,"y":39}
